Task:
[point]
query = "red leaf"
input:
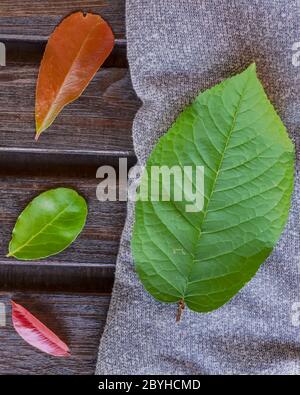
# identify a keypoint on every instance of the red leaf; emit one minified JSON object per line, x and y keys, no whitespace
{"x":37,"y":334}
{"x":74,"y":52}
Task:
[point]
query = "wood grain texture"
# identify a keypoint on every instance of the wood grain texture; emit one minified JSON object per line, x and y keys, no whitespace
{"x":39,"y":17}
{"x":94,"y":130}
{"x":79,"y":321}
{"x":100,"y":121}
{"x":30,"y":50}
{"x":42,"y":277}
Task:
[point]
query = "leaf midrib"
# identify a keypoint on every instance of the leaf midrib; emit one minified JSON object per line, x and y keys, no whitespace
{"x":214,"y":183}
{"x":39,"y":232}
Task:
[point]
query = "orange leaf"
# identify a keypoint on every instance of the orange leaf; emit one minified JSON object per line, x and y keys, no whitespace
{"x":36,"y":333}
{"x":75,"y":51}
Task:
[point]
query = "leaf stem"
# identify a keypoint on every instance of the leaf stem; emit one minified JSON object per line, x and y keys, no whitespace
{"x":180,"y":309}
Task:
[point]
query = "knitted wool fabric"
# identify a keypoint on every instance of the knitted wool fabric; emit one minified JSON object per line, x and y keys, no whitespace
{"x":177,"y":48}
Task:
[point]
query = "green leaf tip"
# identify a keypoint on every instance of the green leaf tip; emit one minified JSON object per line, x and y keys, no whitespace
{"x":252,"y":67}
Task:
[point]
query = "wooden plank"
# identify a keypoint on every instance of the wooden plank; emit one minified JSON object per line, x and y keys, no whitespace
{"x":30,"y":51}
{"x":41,"y":276}
{"x":79,"y":321}
{"x":88,"y":264}
{"x":39,"y":17}
{"x":99,"y":122}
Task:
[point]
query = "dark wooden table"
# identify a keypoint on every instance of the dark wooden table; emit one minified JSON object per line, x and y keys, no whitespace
{"x":70,"y":291}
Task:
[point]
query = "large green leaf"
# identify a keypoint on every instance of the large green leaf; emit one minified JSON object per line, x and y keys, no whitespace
{"x":48,"y":224}
{"x":204,"y":258}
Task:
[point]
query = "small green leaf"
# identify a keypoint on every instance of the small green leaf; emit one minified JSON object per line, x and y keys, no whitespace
{"x":48,"y":225}
{"x":204,"y":258}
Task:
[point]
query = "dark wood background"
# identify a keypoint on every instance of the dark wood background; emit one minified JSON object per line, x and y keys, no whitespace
{"x":70,"y":291}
